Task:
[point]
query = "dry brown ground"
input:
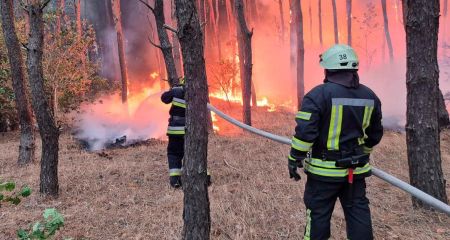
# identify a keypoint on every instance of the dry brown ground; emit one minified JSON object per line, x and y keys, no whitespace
{"x":125,"y":194}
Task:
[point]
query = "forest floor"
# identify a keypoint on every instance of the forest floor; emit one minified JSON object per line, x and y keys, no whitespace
{"x":124,"y":193}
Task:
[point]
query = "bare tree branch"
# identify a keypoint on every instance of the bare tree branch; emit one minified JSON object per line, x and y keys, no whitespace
{"x":23,"y":6}
{"x":154,"y":44}
{"x":44,"y":4}
{"x":148,"y":6}
{"x":170,"y":28}
{"x":24,"y":45}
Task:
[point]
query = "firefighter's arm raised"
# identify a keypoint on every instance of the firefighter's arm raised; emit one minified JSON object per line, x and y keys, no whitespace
{"x":167,"y":97}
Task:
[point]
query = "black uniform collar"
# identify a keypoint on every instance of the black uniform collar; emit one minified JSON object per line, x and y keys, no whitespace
{"x":347,"y":78}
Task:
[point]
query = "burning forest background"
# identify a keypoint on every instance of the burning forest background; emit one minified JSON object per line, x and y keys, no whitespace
{"x":274,"y":82}
{"x":376,"y":33}
{"x":103,"y":75}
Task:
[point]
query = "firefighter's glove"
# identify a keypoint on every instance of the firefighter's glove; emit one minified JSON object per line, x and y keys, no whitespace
{"x":293,"y":165}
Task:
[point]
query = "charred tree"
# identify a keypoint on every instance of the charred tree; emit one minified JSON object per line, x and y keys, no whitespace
{"x":47,"y":127}
{"x":386,"y":31}
{"x":349,"y":22}
{"x":121,"y":48}
{"x":320,"y":23}
{"x":23,"y":107}
{"x":335,"y":22}
{"x":196,"y":212}
{"x":283,"y":28}
{"x":244,"y":36}
{"x":297,"y":20}
{"x":422,"y":81}
{"x":165,"y":46}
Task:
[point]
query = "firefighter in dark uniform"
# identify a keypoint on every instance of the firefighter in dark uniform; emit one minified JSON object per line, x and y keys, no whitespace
{"x":337,"y":128}
{"x":176,"y":132}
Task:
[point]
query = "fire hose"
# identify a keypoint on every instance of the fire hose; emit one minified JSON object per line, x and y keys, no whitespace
{"x":413,"y":191}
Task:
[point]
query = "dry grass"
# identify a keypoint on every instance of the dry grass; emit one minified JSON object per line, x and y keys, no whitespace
{"x":124,"y":193}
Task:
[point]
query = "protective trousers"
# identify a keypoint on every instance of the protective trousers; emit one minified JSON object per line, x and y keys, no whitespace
{"x":320,"y":198}
{"x":175,"y":154}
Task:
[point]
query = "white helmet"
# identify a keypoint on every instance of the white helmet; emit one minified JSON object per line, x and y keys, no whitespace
{"x":339,"y":56}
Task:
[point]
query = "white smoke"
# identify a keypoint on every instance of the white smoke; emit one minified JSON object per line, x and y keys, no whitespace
{"x":103,"y":122}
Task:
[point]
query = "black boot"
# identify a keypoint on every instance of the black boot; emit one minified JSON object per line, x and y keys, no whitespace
{"x":175,"y":181}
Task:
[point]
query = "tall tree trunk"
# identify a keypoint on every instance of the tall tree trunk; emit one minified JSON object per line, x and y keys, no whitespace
{"x":254,"y":101}
{"x":162,"y":84}
{"x":283,"y":28}
{"x":80,"y":35}
{"x":217,"y":32}
{"x":310,"y":24}
{"x":445,"y":8}
{"x":196,"y":213}
{"x":202,"y":17}
{"x":60,"y":8}
{"x":349,"y":22}
{"x":121,"y":48}
{"x":165,"y":46}
{"x":386,"y":31}
{"x":23,"y":107}
{"x":245,"y":56}
{"x":47,"y":127}
{"x":320,"y":23}
{"x":252,"y":10}
{"x":297,"y":20}
{"x":335,"y":22}
{"x":176,"y":44}
{"x":422,"y":81}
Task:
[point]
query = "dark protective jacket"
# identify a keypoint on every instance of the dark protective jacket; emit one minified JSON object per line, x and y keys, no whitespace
{"x":338,"y":119}
{"x":177,"y":120}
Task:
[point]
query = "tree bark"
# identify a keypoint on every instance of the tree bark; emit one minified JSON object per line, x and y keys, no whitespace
{"x":386,"y":31}
{"x":320,"y":23}
{"x":349,"y":22}
{"x":23,"y":107}
{"x":176,"y":44}
{"x":121,"y":48}
{"x":283,"y":28}
{"x":245,"y":55}
{"x":335,"y":22}
{"x":422,"y":81}
{"x":165,"y":46}
{"x":297,"y":20}
{"x":47,"y":127}
{"x":196,"y":213}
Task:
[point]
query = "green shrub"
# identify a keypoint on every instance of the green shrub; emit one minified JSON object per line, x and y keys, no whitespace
{"x":12,"y":197}
{"x":53,"y":221}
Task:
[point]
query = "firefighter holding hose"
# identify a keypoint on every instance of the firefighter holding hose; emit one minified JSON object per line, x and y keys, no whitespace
{"x":337,"y":127}
{"x":176,"y":132}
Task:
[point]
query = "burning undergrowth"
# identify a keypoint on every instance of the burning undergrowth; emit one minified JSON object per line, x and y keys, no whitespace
{"x":108,"y":122}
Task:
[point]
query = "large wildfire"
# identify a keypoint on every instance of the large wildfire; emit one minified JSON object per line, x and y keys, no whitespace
{"x":144,"y":116}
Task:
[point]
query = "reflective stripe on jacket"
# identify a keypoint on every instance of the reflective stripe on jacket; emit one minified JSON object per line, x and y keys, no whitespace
{"x":336,"y":119}
{"x":177,"y":121}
